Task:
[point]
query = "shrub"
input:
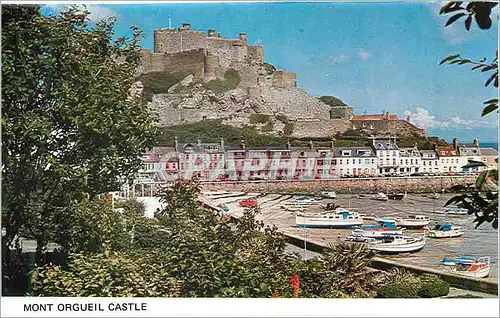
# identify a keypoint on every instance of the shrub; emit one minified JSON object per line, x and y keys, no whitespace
{"x":159,"y":82}
{"x":431,"y":286}
{"x":288,"y":129}
{"x":332,"y":101}
{"x":399,"y":290}
{"x":231,"y":80}
{"x":259,"y":119}
{"x":267,"y":127}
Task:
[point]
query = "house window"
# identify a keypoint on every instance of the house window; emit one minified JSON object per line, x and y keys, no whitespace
{"x":373,"y":161}
{"x":334,"y":161}
{"x":347,"y":161}
{"x":340,"y":161}
{"x":359,"y":161}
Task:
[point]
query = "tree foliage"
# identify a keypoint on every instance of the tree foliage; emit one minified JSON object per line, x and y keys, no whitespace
{"x":69,"y":127}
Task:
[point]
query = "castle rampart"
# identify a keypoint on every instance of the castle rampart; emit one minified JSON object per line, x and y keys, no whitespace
{"x":282,"y":79}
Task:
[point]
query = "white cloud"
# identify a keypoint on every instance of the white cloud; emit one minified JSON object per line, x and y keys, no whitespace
{"x":341,"y":58}
{"x":424,"y":119}
{"x":98,"y":12}
{"x":364,"y":55}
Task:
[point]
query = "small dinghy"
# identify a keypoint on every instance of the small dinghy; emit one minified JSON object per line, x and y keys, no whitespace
{"x":434,"y":196}
{"x":359,"y":238}
{"x":385,"y":219}
{"x":398,"y":244}
{"x":377,"y":231}
{"x":396,"y":196}
{"x":456,"y":211}
{"x":380,"y":197}
{"x":446,"y":230}
{"x":329,"y":194}
{"x":468,"y":266}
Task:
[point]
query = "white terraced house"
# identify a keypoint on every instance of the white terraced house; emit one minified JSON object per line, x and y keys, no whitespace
{"x":429,"y":162}
{"x":387,"y":152}
{"x":409,"y":160}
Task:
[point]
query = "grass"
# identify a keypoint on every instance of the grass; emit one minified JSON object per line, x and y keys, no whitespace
{"x":159,"y":82}
{"x":231,"y":80}
{"x":259,"y":119}
{"x":267,"y":127}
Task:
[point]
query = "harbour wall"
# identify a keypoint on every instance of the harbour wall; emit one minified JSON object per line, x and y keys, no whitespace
{"x":454,"y":280}
{"x":348,"y":185}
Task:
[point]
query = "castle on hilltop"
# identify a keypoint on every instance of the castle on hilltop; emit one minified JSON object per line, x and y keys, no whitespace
{"x":260,"y":89}
{"x":209,"y":56}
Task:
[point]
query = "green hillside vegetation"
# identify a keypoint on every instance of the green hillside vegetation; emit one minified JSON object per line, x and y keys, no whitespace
{"x":259,"y":119}
{"x":332,"y":101}
{"x":159,"y":82}
{"x":231,"y":80}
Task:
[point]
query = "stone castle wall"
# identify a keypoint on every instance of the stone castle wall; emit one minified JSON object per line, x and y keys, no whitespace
{"x":393,"y":185}
{"x":192,"y":61}
{"x":320,"y":128}
{"x":341,"y":112}
{"x":282,"y":79}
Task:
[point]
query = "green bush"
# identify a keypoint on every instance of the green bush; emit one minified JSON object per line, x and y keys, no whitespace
{"x":399,"y":290}
{"x":267,"y":127}
{"x":159,"y":82}
{"x":231,"y":80}
{"x":332,"y":101}
{"x":431,"y":286}
{"x":288,"y":129}
{"x":259,"y":119}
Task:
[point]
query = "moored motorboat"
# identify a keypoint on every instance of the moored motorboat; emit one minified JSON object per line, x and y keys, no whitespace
{"x":417,"y":221}
{"x":446,"y":230}
{"x":398,"y":244}
{"x":338,"y":218}
{"x":376,"y":233}
{"x":329,"y":194}
{"x":468,"y":266}
{"x":295,"y":207}
{"x":358,"y":238}
{"x":380,"y":197}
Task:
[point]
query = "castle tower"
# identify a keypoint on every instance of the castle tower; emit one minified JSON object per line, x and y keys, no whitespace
{"x":211,"y":64}
{"x":211,"y":33}
{"x":243,"y":37}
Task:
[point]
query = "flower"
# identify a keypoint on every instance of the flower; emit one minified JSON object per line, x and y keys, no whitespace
{"x":295,"y":282}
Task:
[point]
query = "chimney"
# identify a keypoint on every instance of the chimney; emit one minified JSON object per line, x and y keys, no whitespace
{"x":386,"y":115}
{"x":176,"y":144}
{"x":243,"y":36}
{"x":242,"y":143}
{"x":408,"y":118}
{"x":222,"y":143}
{"x":198,"y":142}
{"x":211,"y":33}
{"x":455,"y":143}
{"x":331,"y":143}
{"x":186,"y":26}
{"x":288,"y":145}
{"x":311,"y":145}
{"x":435,"y":146}
{"x":218,"y":34}
{"x":476,"y":142}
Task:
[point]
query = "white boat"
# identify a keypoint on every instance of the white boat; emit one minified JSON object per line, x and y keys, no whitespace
{"x":398,"y":244}
{"x":468,"y":266}
{"x":385,"y":219}
{"x":358,"y":238}
{"x":306,"y":200}
{"x":446,"y":230}
{"x":417,"y":221}
{"x":434,"y":196}
{"x":332,"y":219}
{"x":294,"y":207}
{"x":456,"y":211}
{"x":329,"y":194}
{"x":380,"y":197}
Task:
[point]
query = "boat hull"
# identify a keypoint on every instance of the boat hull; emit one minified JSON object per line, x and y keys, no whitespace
{"x":328,"y":226}
{"x":334,"y":223}
{"x":413,"y":225}
{"x":481,"y":273}
{"x":445,"y":234}
{"x":398,"y":248}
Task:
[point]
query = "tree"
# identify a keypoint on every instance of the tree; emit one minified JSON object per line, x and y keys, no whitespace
{"x":70,"y":128}
{"x":481,"y":199}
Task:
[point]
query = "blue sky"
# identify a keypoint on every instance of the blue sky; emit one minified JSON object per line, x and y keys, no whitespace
{"x":374,"y":56}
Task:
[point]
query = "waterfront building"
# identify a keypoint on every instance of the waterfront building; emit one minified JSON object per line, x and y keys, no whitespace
{"x":355,"y":161}
{"x":472,"y":152}
{"x":203,"y":161}
{"x":387,"y":152}
{"x":409,"y":160}
{"x":429,"y":162}
{"x":489,"y":157}
{"x":449,"y":160}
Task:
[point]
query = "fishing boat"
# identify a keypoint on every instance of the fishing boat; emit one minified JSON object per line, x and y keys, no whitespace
{"x":434,"y":196}
{"x":456,"y":211}
{"x":396,"y":196}
{"x":398,"y":244}
{"x":468,"y":266}
{"x":380,"y":197}
{"x":332,"y":219}
{"x":446,"y":230}
{"x":415,"y":222}
{"x":329,"y":194}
